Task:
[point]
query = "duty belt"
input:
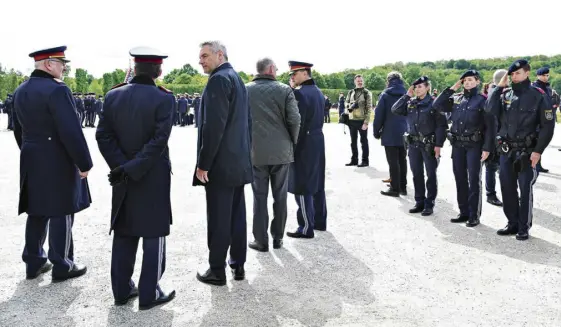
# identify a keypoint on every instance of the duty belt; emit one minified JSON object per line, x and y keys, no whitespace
{"x":453,"y":138}
{"x":505,"y":146}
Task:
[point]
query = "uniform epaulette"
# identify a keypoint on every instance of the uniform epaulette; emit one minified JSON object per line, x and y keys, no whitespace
{"x":164,"y":89}
{"x":539,"y":89}
{"x":118,"y":85}
{"x":58,"y":80}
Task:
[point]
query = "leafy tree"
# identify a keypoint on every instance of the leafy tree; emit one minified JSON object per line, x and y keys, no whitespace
{"x":335,"y":81}
{"x":96,"y":87}
{"x":107,"y":82}
{"x":244,"y":77}
{"x":373,"y":81}
{"x":118,"y":76}
{"x":319,"y":79}
{"x":183,"y":79}
{"x":81,"y":80}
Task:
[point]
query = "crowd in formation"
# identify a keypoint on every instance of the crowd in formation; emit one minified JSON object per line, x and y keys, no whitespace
{"x":264,"y":133}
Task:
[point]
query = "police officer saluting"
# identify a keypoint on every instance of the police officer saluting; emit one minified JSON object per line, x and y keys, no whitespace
{"x":307,"y":172}
{"x":54,"y":163}
{"x":472,"y":136}
{"x":522,"y":109}
{"x":426,"y":136}
{"x":132,"y":136}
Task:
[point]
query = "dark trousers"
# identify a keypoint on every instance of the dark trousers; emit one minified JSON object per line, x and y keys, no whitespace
{"x":82,"y":117}
{"x":196,"y":117}
{"x":466,"y":163}
{"x":190,"y":119}
{"x":355,"y":128}
{"x":226,"y":226}
{"x":326,"y":117}
{"x":278,"y":176}
{"x":312,"y":212}
{"x":61,"y":245}
{"x":397,"y":161}
{"x":10,"y":120}
{"x":518,"y":210}
{"x":491,"y":168}
{"x":183,"y":118}
{"x":123,"y":257}
{"x":419,"y":161}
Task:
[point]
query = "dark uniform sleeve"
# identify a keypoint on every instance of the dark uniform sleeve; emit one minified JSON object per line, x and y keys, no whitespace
{"x":69,"y":129}
{"x":445,"y":101}
{"x":491,"y":128}
{"x":145,"y":158}
{"x":17,"y":126}
{"x":400,"y":107}
{"x":292,"y":116}
{"x":108,"y":144}
{"x":547,"y":124}
{"x":217,"y":90}
{"x":494,"y":104}
{"x":379,"y":116}
{"x":441,"y":127}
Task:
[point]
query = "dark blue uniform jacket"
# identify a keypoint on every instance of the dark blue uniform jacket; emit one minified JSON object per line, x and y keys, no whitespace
{"x":388,"y":126}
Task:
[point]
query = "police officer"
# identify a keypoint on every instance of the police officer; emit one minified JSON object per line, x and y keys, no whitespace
{"x":54,"y":163}
{"x":9,"y":108}
{"x":80,"y":108}
{"x":543,"y":83}
{"x":425,"y":137}
{"x":307,"y":172}
{"x":196,"y":105}
{"x":132,"y":136}
{"x":472,"y":136}
{"x":522,"y":109}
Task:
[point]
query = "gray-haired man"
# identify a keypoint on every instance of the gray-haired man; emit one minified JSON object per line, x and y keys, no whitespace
{"x":276,"y":124}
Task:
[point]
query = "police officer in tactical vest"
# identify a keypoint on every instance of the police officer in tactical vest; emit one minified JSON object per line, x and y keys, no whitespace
{"x":526,"y":120}
{"x":54,"y":163}
{"x":307,"y":172}
{"x":472,"y":136}
{"x":425,"y":137}
{"x":359,"y":107}
{"x":132,"y":136}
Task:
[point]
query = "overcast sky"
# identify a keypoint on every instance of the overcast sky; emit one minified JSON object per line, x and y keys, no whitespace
{"x":333,"y":35}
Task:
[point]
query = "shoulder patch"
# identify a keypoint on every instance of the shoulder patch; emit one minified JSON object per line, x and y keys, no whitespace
{"x":58,"y":80}
{"x":118,"y":85}
{"x":539,"y":89}
{"x":164,"y":89}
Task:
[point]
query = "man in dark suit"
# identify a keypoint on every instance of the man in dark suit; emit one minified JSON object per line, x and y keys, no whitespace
{"x":223,"y":162}
{"x":54,"y":163}
{"x":132,"y":136}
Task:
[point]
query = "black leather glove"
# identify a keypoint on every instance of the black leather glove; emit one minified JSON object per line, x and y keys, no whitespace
{"x":117,"y":176}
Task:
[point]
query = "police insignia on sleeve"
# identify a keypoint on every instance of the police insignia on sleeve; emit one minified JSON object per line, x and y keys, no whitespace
{"x":548,"y":114}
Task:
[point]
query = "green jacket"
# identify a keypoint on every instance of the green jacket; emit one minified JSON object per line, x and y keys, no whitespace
{"x":364,"y":99}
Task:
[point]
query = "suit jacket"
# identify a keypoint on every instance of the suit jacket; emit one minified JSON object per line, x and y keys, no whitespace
{"x":224,"y":135}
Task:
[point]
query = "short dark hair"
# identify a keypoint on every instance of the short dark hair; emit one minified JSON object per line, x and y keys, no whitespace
{"x":147,"y":68}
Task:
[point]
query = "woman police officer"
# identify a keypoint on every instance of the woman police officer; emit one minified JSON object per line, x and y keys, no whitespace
{"x":425,"y":137}
{"x":472,"y":136}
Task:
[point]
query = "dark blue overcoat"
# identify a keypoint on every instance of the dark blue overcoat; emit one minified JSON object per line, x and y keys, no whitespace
{"x":53,"y":148}
{"x":133,"y":132}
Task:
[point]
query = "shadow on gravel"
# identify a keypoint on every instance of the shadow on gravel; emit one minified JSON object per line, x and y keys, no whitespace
{"x":543,"y":176}
{"x":126,"y":316}
{"x":485,"y":238}
{"x":286,"y":290}
{"x":547,"y":220}
{"x":372,"y":172}
{"x":546,"y":187}
{"x":33,"y":305}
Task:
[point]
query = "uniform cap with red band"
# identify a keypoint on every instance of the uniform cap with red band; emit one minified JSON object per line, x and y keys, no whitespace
{"x":298,"y":65}
{"x":51,"y":53}
{"x":147,"y":55}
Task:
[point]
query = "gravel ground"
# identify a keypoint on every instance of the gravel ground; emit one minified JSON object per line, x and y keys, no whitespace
{"x":377,"y":265}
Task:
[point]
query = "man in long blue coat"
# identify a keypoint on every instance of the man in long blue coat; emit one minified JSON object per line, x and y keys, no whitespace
{"x":307,"y":172}
{"x":223,"y":163}
{"x":54,"y":163}
{"x":132,"y":136}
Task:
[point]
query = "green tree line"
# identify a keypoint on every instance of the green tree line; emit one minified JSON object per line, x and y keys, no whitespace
{"x":187,"y":79}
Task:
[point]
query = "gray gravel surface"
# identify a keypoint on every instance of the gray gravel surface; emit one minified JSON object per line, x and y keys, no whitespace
{"x":377,"y":265}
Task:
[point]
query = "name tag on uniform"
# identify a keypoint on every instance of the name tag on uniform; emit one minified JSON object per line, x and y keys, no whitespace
{"x":548,"y":114}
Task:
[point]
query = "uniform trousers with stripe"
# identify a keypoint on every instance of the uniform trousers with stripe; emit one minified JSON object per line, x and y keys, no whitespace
{"x":123,"y":257}
{"x":466,"y":163}
{"x":517,"y":208}
{"x":61,"y":245}
{"x":312,"y":212}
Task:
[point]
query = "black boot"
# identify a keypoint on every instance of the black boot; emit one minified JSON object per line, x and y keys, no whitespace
{"x":459,"y":219}
{"x":352,"y":163}
{"x":508,"y":230}
{"x":417,"y":208}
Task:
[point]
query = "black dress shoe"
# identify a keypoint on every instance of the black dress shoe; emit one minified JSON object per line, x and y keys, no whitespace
{"x":277,"y":244}
{"x":508,"y":230}
{"x":403,"y":192}
{"x":417,"y":208}
{"x":390,"y":192}
{"x":543,"y":170}
{"x":258,"y":246}
{"x":427,"y":212}
{"x":522,"y":236}
{"x":211,"y":278}
{"x":297,"y":234}
{"x":132,"y":294}
{"x":494,"y":201}
{"x":459,"y":219}
{"x":472,"y":222}
{"x":44,"y":268}
{"x":320,"y":228}
{"x":352,"y":163}
{"x":164,"y":298}
{"x":239,"y":273}
{"x":76,"y":271}
{"x":363,"y":164}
